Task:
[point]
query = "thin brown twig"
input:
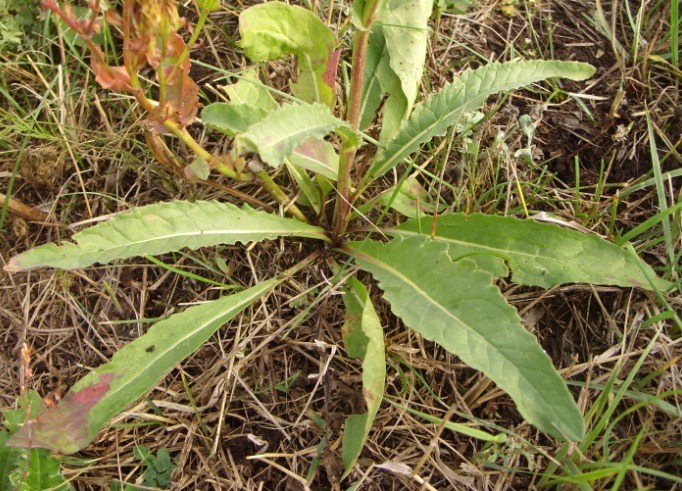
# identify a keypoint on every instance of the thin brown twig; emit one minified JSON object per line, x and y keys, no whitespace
{"x":22,"y":210}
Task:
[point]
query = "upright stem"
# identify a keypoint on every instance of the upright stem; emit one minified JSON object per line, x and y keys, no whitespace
{"x":348,"y":148}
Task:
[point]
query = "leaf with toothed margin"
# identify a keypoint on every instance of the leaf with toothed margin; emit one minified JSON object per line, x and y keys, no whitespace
{"x":538,"y":254}
{"x":467,"y":93}
{"x":161,"y":228}
{"x":456,"y":305}
{"x":132,"y":372}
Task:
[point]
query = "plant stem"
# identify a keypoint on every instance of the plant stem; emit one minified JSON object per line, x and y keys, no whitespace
{"x":271,"y":187}
{"x":348,"y":149}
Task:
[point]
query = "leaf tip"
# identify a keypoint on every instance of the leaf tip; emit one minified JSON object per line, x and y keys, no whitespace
{"x":13,"y":266}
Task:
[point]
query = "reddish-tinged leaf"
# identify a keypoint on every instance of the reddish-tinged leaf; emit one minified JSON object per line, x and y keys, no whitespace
{"x":110,"y":77}
{"x":329,"y":76}
{"x":182,"y":94}
{"x":65,"y":428}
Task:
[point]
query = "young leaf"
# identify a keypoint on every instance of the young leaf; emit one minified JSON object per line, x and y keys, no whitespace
{"x":457,"y":306}
{"x":364,"y":339}
{"x":465,"y":94}
{"x":276,"y":136}
{"x":275,"y":30}
{"x":161,"y":228}
{"x":539,"y":254}
{"x":133,"y":371}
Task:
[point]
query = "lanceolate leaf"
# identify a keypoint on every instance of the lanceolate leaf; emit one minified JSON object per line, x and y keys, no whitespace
{"x":457,"y":306}
{"x":405,"y":27}
{"x":539,"y":254}
{"x":133,"y":371}
{"x":467,"y":93}
{"x":275,"y":137}
{"x":161,"y":228}
{"x":363,"y":337}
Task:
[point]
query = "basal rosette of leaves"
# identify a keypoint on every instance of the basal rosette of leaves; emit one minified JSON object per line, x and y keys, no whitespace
{"x":437,"y":274}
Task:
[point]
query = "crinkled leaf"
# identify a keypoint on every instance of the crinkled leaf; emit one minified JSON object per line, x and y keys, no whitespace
{"x":161,"y":228}
{"x":456,"y":305}
{"x":133,"y":371}
{"x":539,"y":254}
{"x":276,"y":136}
{"x":182,"y":94}
{"x":465,"y":94}
{"x":363,"y":337}
{"x":275,"y":30}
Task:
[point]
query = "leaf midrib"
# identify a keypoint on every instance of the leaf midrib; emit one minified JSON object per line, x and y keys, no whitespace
{"x":424,"y":294}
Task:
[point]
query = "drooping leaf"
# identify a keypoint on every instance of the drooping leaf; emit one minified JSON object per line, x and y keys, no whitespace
{"x":275,"y":30}
{"x":161,"y":228}
{"x":467,"y":93}
{"x":276,"y":136}
{"x":133,"y":371}
{"x":456,"y":305}
{"x":538,"y":254}
{"x":363,"y":337}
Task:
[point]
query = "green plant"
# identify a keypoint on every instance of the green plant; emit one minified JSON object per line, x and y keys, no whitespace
{"x":26,"y":469}
{"x":16,"y":21}
{"x":157,"y":469}
{"x":437,"y":271}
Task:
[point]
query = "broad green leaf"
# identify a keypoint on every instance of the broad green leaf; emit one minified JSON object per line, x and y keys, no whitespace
{"x":456,"y":305}
{"x":132,"y":372}
{"x":161,"y":228}
{"x":250,"y":101}
{"x":251,"y":91}
{"x":466,"y":94}
{"x":363,"y":337}
{"x":275,"y":30}
{"x":317,"y":156}
{"x":539,"y":254}
{"x":231,"y":119}
{"x":405,"y":27}
{"x":276,"y":136}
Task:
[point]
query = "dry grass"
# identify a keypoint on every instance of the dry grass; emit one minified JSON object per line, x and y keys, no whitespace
{"x":245,"y":411}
